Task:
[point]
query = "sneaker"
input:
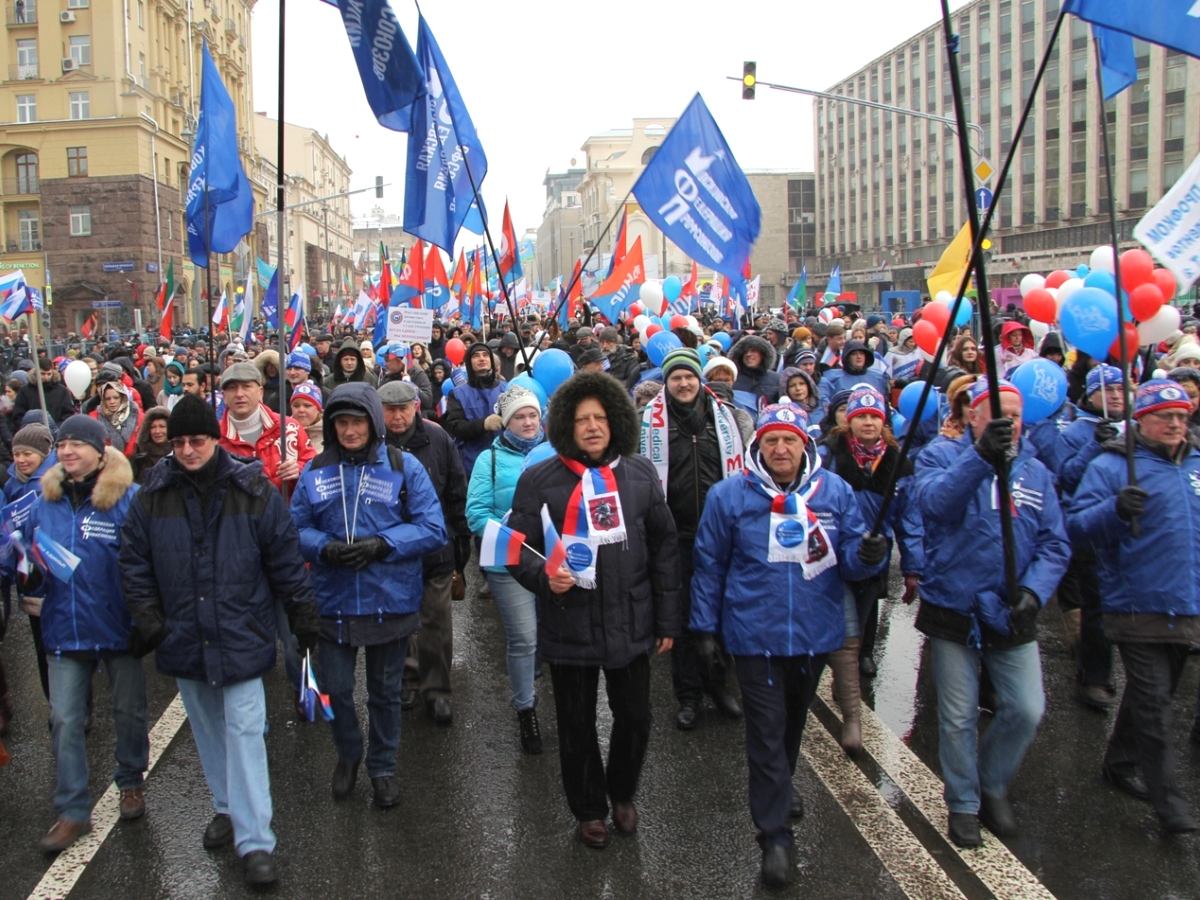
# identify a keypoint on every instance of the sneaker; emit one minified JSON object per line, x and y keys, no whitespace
{"x":531,"y":734}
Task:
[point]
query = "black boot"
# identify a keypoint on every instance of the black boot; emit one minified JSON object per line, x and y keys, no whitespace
{"x":531,"y":735}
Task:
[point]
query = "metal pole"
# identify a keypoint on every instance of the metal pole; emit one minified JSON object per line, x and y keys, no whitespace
{"x":37,"y":366}
{"x":591,"y":253}
{"x":284,"y":293}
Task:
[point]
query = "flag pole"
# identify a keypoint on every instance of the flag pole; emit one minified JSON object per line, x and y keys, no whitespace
{"x":591,"y":254}
{"x":283,"y":294}
{"x":37,"y":366}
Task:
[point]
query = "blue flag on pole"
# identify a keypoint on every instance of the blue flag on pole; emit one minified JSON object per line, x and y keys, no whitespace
{"x":220,"y":203}
{"x":1172,"y":23}
{"x":694,"y":190}
{"x":1118,"y":67}
{"x":270,"y":302}
{"x":391,"y":76}
{"x":835,"y":281}
{"x":437,"y":187}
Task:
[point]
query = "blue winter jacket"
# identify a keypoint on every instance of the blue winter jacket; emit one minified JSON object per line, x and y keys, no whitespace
{"x":769,"y":609}
{"x":1077,"y":448}
{"x":835,"y":380}
{"x":466,"y":408}
{"x":492,"y":487}
{"x":1158,"y":571}
{"x":1046,"y":436}
{"x":14,"y":488}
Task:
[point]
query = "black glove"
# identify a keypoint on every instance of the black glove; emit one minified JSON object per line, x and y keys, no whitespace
{"x":365,"y":551}
{"x":1131,"y":502}
{"x":708,"y":657}
{"x":308,"y":642}
{"x":336,"y":553}
{"x":140,"y":646}
{"x":872,"y":549}
{"x":996,"y":440}
{"x":1022,"y":618}
{"x":1104,"y":431}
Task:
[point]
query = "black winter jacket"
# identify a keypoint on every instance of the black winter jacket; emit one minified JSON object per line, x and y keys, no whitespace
{"x":60,"y":404}
{"x":625,"y":366}
{"x":694,"y":466}
{"x":435,"y":450}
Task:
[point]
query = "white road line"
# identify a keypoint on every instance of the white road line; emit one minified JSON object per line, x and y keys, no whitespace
{"x":993,"y":863}
{"x":60,"y":878}
{"x":906,"y":860}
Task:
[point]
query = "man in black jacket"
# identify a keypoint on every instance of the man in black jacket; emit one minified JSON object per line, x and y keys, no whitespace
{"x":623,"y":363}
{"x":59,"y":402}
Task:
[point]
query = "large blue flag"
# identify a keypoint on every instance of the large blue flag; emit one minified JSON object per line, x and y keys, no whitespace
{"x":270,"y":302}
{"x":391,"y":76}
{"x":1118,"y":67}
{"x":694,"y":190}
{"x":1172,"y":23}
{"x":220,"y":203}
{"x":437,"y":186}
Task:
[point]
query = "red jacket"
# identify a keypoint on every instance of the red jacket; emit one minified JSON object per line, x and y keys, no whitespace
{"x":267,"y":448}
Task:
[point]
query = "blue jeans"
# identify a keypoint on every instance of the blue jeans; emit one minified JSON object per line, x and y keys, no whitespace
{"x":70,"y":681}
{"x":385,"y":672}
{"x":291,"y":649}
{"x":518,"y":609}
{"x":228,"y":725}
{"x":1016,"y":674}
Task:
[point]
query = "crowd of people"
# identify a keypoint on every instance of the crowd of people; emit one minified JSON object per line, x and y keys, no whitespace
{"x":737,"y":503}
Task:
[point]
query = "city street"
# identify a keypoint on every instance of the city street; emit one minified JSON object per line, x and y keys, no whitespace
{"x":480,"y":819}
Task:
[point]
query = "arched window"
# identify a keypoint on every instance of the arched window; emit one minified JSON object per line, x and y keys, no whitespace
{"x":648,"y":154}
{"x":27,"y":173}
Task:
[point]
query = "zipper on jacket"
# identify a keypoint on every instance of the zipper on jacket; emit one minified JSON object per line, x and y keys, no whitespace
{"x":1191,"y":528}
{"x":696,"y":473}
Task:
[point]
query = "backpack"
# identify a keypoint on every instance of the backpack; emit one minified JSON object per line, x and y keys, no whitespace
{"x":396,"y":458}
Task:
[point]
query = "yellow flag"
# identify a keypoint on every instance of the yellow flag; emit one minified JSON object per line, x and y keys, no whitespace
{"x":947,"y":274}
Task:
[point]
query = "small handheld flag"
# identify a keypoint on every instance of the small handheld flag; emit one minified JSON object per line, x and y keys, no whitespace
{"x":53,"y":557}
{"x":556,"y":551}
{"x":501,"y":546}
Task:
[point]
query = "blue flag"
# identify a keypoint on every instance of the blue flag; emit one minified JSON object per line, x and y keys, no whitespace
{"x":391,"y":76}
{"x":1172,"y":23}
{"x":694,"y":190}
{"x":1118,"y":67}
{"x":270,"y":302}
{"x":437,"y":187}
{"x":474,"y":220}
{"x":220,"y":203}
{"x":835,"y":281}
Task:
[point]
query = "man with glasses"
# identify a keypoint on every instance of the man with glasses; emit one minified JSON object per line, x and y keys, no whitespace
{"x":209,"y":553}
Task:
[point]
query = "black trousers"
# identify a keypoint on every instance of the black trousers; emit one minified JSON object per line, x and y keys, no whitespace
{"x":776,"y":694}
{"x":685,"y":674}
{"x":1141,"y":736}
{"x":587,"y":782}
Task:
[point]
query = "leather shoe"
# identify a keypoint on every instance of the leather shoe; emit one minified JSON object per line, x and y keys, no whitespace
{"x":219,"y":832}
{"x":866,"y":667}
{"x":685,"y":719}
{"x":133,"y":803}
{"x":997,"y":814}
{"x":409,"y":697}
{"x":62,"y":835}
{"x":1179,"y":823}
{"x":964,"y":830}
{"x":1099,"y":697}
{"x":726,"y":703}
{"x":796,"y":809}
{"x":387,"y":791}
{"x":260,"y":868}
{"x":1130,"y":782}
{"x":440,"y":710}
{"x":594,"y":834}
{"x":625,"y":817}
{"x":776,"y":871}
{"x":344,"y":775}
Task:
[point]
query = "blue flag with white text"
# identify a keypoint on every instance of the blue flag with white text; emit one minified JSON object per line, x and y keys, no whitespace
{"x":1118,"y":66}
{"x":270,"y":302}
{"x":391,"y":76}
{"x":1171,"y":23}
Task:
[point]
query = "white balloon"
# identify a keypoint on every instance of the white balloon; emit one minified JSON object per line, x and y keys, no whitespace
{"x":1039,"y":329}
{"x":1032,"y":282}
{"x":1159,"y":326}
{"x":944,"y":297}
{"x":1067,"y":288}
{"x":78,"y":377}
{"x":641,"y":322}
{"x":1102,"y":259}
{"x":692,"y":322}
{"x":650,"y":296}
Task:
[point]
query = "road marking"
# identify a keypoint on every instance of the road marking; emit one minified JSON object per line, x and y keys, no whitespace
{"x":905,"y":858}
{"x":60,"y":878}
{"x":993,"y":863}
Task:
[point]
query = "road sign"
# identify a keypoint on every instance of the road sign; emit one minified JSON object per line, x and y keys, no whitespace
{"x":983,"y":170}
{"x":106,"y":304}
{"x":983,"y":198}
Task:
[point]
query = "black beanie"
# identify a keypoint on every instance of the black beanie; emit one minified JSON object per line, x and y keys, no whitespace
{"x":192,"y":416}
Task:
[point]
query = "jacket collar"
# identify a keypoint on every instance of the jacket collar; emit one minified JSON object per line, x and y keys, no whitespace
{"x":114,"y":481}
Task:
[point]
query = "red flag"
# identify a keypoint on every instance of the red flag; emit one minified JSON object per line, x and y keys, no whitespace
{"x":620,"y":246}
{"x":435,"y":277}
{"x":510,"y":253}
{"x":691,"y":286}
{"x":575,"y":297}
{"x":168,"y":317}
{"x":410,"y":289}
{"x":458,"y":286}
{"x":88,"y":328}
{"x":384,"y":293}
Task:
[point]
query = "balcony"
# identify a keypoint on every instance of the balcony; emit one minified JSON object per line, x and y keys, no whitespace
{"x":18,"y":16}
{"x":19,"y":186}
{"x":18,"y":72}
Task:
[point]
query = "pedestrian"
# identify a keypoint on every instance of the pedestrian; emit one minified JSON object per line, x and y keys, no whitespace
{"x":152,"y":443}
{"x":59,"y":402}
{"x":470,"y":416}
{"x":366,"y":568}
{"x":620,"y":601}
{"x":84,"y":502}
{"x":857,"y":368}
{"x":772,"y":549}
{"x":206,"y":550}
{"x":308,"y":400}
{"x":757,"y":381}
{"x":349,"y":366}
{"x":172,"y":388}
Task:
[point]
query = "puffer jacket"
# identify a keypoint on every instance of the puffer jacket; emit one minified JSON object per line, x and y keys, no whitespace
{"x":835,"y":380}
{"x":1046,"y":435}
{"x":211,"y":573}
{"x":624,"y":365}
{"x":1077,"y":447}
{"x":762,"y":608}
{"x":493,"y":484}
{"x":761,"y":382}
{"x":467,"y":406}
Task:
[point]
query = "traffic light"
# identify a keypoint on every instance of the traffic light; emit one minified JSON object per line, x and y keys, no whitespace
{"x":379,"y":186}
{"x":749,"y":80}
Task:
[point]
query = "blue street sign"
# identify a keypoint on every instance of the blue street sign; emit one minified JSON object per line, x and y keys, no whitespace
{"x":983,"y":198}
{"x":106,"y":304}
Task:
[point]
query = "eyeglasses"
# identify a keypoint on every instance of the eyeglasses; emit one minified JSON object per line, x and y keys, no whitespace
{"x":1167,"y":416}
{"x":197,"y":442}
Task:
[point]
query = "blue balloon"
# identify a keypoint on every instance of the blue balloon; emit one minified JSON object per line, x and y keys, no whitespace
{"x":1082,"y":271}
{"x":1103,"y":280}
{"x":660,"y":345}
{"x":540,"y":453}
{"x":965,"y":311}
{"x":723,"y":339}
{"x":552,"y":368}
{"x":899,"y":424}
{"x":530,"y":383}
{"x":672,"y":287}
{"x":447,"y":387}
{"x":911,"y":396}
{"x":1089,"y":320}
{"x":1043,"y":387}
{"x":705,"y":352}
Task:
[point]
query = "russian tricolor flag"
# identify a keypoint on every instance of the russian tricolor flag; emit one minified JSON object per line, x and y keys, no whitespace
{"x":501,"y":545}
{"x":556,"y":551}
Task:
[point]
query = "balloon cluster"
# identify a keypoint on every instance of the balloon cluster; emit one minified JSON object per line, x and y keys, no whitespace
{"x":935,"y":319}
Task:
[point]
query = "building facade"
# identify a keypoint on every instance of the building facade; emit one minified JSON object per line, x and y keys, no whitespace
{"x":559,"y":240}
{"x":788,"y":236}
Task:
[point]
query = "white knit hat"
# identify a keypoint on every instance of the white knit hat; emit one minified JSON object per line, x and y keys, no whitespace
{"x":513,"y":399}
{"x":721,"y":362}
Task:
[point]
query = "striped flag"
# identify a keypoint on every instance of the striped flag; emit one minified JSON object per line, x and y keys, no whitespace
{"x":501,"y":545}
{"x":556,"y":551}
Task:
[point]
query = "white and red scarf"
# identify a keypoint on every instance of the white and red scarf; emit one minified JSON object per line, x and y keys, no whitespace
{"x":655,"y":436}
{"x":594,"y":518}
{"x":796,"y":534}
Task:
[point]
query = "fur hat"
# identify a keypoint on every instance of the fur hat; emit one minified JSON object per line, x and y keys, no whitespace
{"x":623,"y":424}
{"x":1156,"y":394}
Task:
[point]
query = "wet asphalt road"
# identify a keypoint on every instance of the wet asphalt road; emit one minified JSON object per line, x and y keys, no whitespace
{"x":478,"y":818}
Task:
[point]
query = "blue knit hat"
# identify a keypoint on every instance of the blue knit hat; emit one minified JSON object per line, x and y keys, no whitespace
{"x":979,"y":391}
{"x":309,"y":392}
{"x":1101,"y":377}
{"x":298,"y":359}
{"x":865,"y":402}
{"x":1154,"y":395}
{"x":90,"y":431}
{"x":782,"y":417}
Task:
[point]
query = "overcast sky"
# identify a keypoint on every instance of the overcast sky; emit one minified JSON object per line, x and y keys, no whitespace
{"x":540,"y":76}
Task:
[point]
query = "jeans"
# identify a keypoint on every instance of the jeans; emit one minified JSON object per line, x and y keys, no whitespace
{"x":291,"y":649}
{"x":1016,"y":675}
{"x":70,"y":681}
{"x":586,"y":779}
{"x":865,"y":600}
{"x":431,"y":650}
{"x":518,"y":609}
{"x":685,"y":673}
{"x":228,"y":725}
{"x":385,"y":671}
{"x":776,"y":694}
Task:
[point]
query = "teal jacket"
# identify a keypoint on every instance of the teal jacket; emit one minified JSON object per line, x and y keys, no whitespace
{"x":493,"y":482}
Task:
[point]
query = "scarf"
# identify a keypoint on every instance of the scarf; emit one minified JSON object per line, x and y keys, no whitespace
{"x":866,"y":457}
{"x":524,"y":445}
{"x":796,"y":534}
{"x":656,"y":439}
{"x":594,"y":518}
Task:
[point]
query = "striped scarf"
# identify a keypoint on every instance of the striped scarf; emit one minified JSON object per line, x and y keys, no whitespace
{"x":594,"y":517}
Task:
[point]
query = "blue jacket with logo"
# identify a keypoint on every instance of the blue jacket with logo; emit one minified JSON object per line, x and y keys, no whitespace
{"x":1046,"y":435}
{"x":1076,"y":448}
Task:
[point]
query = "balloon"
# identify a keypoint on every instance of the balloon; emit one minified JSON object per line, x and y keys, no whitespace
{"x":1102,"y":258}
{"x":944,"y":297}
{"x":911,"y":395}
{"x":937,"y":315}
{"x":652,"y":329}
{"x":635,"y":310}
{"x":1032,"y":282}
{"x":1082,"y":271}
{"x":1056,"y":279}
{"x":1166,"y":283}
{"x":1041,"y":305}
{"x":1089,"y":320}
{"x":660,"y":345}
{"x":692,"y":321}
{"x":965,"y":311}
{"x":1067,"y":288}
{"x":1106,"y":281}
{"x":455,"y":351}
{"x":1137,"y":267}
{"x":532,"y":385}
{"x":650,"y":295}
{"x":641,"y":323}
{"x":723,"y":339}
{"x":1131,"y":343}
{"x":1043,"y":387}
{"x":552,"y":368}
{"x":1145,"y":301}
{"x":899,"y":424}
{"x":672,"y":287}
{"x":540,"y":453}
{"x":1039,"y":329}
{"x":678,"y":321}
{"x":819,"y":301}
{"x":1159,"y":326}
{"x":706,"y":352}
{"x":78,"y":377}
{"x":447,"y":387}
{"x":827,"y":315}
{"x":926,"y":335}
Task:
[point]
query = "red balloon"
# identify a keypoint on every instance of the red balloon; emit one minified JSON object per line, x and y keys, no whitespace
{"x":679,"y":321}
{"x":937,"y":315}
{"x":1056,"y":279}
{"x":1137,"y":268}
{"x":652,"y":329}
{"x":1131,"y":344}
{"x":1166,"y":283}
{"x":1041,"y":306}
{"x":1144,"y":300}
{"x":926,"y":334}
{"x":635,"y":310}
{"x":455,"y":351}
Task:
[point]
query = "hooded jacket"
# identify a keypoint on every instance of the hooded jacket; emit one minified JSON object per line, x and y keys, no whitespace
{"x":468,"y":406}
{"x":360,"y":373}
{"x":813,"y":403}
{"x":146,"y":453}
{"x":835,"y":380}
{"x":1010,"y":358}
{"x":59,"y":402}
{"x":752,"y":384}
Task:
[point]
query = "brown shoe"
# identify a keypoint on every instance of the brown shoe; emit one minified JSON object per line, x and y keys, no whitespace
{"x":594,"y":834}
{"x":625,"y":817}
{"x":63,"y":835}
{"x":133,"y":803}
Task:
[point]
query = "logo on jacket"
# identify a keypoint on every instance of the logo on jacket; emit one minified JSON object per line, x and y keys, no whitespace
{"x":1023,"y":496}
{"x":790,"y":533}
{"x":1194,"y":478}
{"x":94,"y":527}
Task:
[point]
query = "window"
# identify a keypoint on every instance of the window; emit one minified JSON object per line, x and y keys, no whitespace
{"x":1176,"y":72}
{"x":27,"y":173}
{"x":27,"y":58}
{"x":81,"y":221}
{"x":81,"y":105}
{"x":81,"y":49}
{"x":26,"y":107}
{"x":141,"y":11}
{"x":77,"y":4}
{"x":142,"y":79}
{"x":27,"y":223}
{"x":77,"y":161}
